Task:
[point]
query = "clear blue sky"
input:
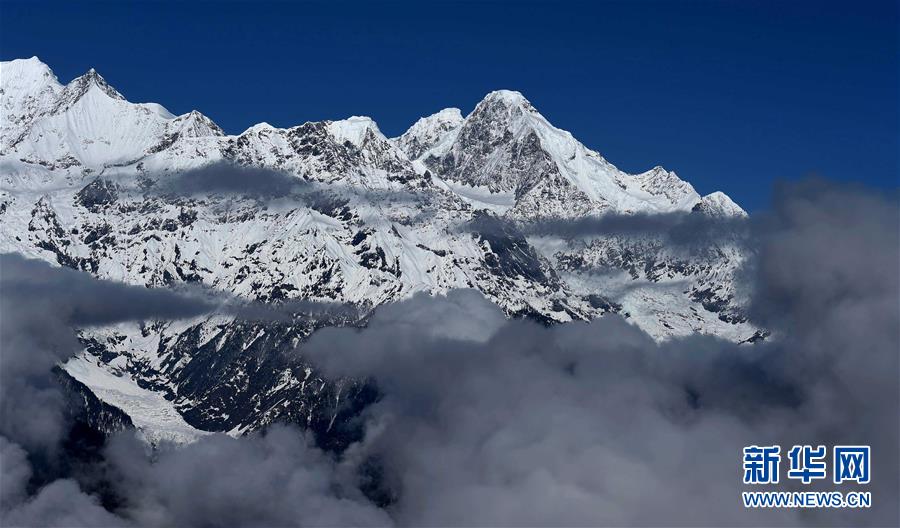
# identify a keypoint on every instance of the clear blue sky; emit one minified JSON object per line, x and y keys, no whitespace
{"x":732,"y":95}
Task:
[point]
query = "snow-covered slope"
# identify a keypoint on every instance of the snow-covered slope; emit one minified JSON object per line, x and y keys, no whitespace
{"x":428,"y":132}
{"x":331,"y":211}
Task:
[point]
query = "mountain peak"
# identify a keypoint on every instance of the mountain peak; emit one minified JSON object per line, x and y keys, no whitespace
{"x":353,"y":129}
{"x":80,"y":86}
{"x":93,"y":78}
{"x":719,"y":204}
{"x":194,"y":124}
{"x":26,"y":72}
{"x":31,"y":62}
{"x":429,"y":131}
{"x":451,"y":116}
{"x":504,"y":101}
{"x":509,"y":97}
{"x":447,"y":114}
{"x":29,"y":87}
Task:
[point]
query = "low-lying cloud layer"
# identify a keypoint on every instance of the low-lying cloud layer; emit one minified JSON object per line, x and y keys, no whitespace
{"x":229,"y":179}
{"x":489,"y":421}
{"x":41,"y":306}
{"x":232,"y":179}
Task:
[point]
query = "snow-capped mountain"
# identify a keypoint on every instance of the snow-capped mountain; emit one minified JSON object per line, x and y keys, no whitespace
{"x":506,"y":147}
{"x":328,"y":211}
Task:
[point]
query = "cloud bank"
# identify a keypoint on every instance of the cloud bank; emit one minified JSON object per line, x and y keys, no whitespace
{"x":596,"y":424}
{"x":489,"y":421}
{"x":233,"y":179}
{"x":41,"y":306}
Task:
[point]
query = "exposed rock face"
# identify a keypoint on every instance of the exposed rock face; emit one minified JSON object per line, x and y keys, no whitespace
{"x":328,"y":211}
{"x":97,"y":194}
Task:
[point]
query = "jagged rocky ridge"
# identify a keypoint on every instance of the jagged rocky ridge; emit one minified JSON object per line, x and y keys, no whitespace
{"x":329,"y":211}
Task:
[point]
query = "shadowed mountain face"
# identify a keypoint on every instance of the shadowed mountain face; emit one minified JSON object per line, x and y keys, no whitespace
{"x":499,"y":201}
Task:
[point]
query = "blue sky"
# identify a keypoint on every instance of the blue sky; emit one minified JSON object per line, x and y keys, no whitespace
{"x":732,"y":95}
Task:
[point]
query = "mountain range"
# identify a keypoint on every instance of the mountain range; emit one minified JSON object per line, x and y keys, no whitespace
{"x":499,"y":201}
